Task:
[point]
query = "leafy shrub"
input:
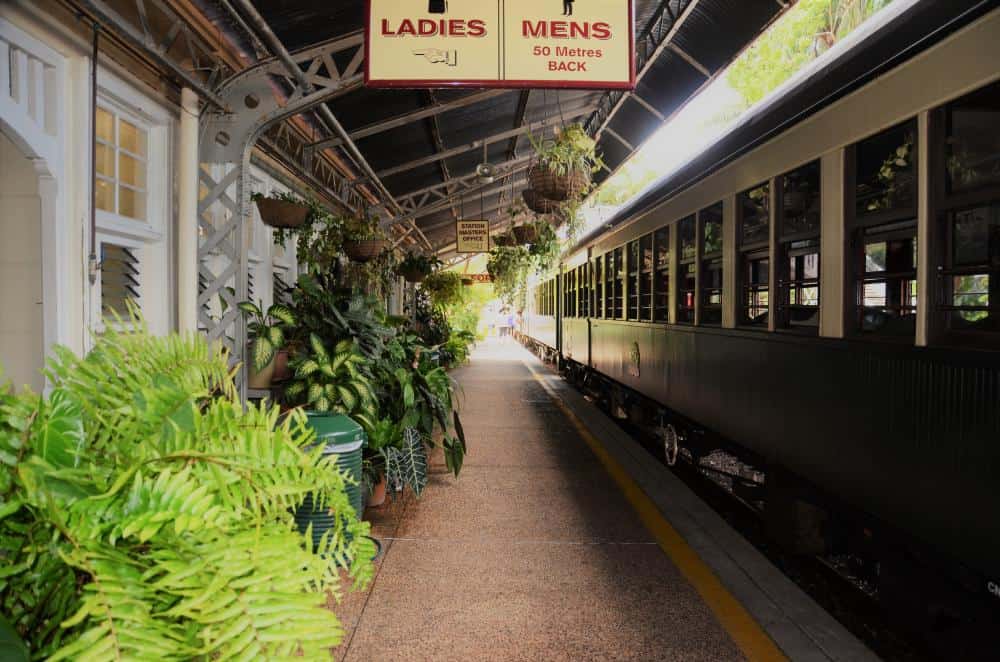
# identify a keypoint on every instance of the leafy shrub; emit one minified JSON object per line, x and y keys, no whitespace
{"x":146,"y":514}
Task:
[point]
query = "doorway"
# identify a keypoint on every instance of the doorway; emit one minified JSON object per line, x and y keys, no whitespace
{"x":21,"y":319}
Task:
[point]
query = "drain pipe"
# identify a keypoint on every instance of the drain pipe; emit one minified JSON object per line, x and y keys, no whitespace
{"x":187,"y":213}
{"x":93,"y":266}
{"x":271,"y":40}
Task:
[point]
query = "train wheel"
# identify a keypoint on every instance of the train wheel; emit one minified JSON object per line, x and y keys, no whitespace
{"x":671,"y":443}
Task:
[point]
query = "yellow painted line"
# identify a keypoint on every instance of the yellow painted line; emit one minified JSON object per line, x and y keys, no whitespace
{"x":734,"y":618}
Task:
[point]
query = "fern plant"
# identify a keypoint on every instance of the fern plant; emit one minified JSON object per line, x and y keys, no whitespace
{"x":334,"y":381}
{"x":145,"y":514}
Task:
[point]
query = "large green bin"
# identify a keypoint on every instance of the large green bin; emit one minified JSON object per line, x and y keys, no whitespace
{"x":342,"y":437}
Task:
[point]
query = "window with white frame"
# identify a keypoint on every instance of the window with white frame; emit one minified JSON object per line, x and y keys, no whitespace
{"x":132,"y":179}
{"x":121,"y":161}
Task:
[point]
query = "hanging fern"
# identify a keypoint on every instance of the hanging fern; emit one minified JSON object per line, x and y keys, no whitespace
{"x":145,"y":514}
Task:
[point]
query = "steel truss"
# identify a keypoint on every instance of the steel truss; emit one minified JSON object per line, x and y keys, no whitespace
{"x":228,"y":138}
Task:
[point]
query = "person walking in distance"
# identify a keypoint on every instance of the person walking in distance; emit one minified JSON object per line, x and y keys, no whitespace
{"x":567,"y":7}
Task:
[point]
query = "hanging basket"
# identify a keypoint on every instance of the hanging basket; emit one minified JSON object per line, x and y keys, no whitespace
{"x":503,"y":240}
{"x":525,"y":234}
{"x":558,"y":187}
{"x":414,"y":274}
{"x":364,"y":250}
{"x":537,"y":203}
{"x":282,"y":213}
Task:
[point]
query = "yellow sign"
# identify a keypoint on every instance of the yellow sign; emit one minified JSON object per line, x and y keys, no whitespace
{"x":472,"y":236}
{"x":500,"y":43}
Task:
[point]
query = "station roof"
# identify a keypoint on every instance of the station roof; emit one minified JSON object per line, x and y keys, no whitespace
{"x":681,"y":46}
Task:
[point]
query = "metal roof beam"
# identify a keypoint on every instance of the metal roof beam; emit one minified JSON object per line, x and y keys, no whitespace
{"x":483,"y":190}
{"x":415,"y":199}
{"x":657,"y":36}
{"x":478,"y":144}
{"x":409,"y":118}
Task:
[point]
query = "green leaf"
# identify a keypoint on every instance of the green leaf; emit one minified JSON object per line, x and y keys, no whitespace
{"x":12,"y":648}
{"x":58,"y":432}
{"x":276,"y":336}
{"x":250,"y":308}
{"x":306,"y":368}
{"x":349,"y":400}
{"x":317,"y":347}
{"x":283,"y":313}
{"x":263,"y":352}
{"x":408,"y":465}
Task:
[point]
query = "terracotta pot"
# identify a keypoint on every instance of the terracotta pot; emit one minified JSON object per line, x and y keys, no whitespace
{"x":537,"y":203}
{"x":281,"y":370}
{"x":364,"y":250}
{"x":259,"y":380}
{"x":377,"y":496}
{"x":282,"y":213}
{"x":557,"y":187}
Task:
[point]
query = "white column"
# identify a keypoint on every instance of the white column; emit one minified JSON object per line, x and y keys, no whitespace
{"x":187,"y":214}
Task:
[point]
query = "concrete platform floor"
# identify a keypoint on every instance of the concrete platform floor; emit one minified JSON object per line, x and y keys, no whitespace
{"x":532,"y":553}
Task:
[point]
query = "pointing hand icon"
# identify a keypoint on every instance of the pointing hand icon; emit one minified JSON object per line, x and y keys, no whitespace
{"x":433,"y":55}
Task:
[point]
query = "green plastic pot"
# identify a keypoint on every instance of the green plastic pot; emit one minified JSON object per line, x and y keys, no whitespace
{"x":342,"y":437}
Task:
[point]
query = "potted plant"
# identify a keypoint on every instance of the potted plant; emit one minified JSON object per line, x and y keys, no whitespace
{"x":544,"y":249}
{"x":417,"y":266}
{"x":504,"y":239}
{"x":525,"y":234}
{"x":537,"y":202}
{"x":363,"y":238}
{"x":266,"y":331}
{"x":444,"y":288}
{"x":508,"y":265}
{"x":284,"y":210}
{"x":564,"y":164}
{"x":326,"y":381}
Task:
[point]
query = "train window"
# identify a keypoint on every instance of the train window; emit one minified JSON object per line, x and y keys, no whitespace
{"x":687,"y":279}
{"x":619,"y":273}
{"x":884,"y":234}
{"x":609,"y":285}
{"x":971,"y":273}
{"x":798,"y":248}
{"x":757,"y":289}
{"x":970,"y":217}
{"x":885,"y":174}
{"x":710,"y":283}
{"x":569,"y":293}
{"x":972,"y":148}
{"x":583,"y":291}
{"x":687,"y":237}
{"x":801,"y":280}
{"x":633,"y":280}
{"x":598,"y":277}
{"x":646,"y":278}
{"x":753,"y":208}
{"x":755,"y":215}
{"x":661,"y":282}
{"x":887,"y":286}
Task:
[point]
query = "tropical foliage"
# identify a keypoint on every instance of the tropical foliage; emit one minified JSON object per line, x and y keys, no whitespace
{"x":571,"y":150}
{"x":332,"y":381}
{"x":145,"y":512}
{"x":445,"y":288}
{"x":266,"y":330}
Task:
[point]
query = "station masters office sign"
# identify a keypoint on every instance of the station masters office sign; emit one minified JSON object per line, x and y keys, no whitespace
{"x":585,"y":44}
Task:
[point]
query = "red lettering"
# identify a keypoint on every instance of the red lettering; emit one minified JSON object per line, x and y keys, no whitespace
{"x":477,"y":28}
{"x":406,"y":27}
{"x":533,"y":30}
{"x":427,"y":27}
{"x":578,"y":30}
{"x":456,"y":28}
{"x":602,"y":31}
{"x":559,"y":29}
{"x":386,"y":32}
